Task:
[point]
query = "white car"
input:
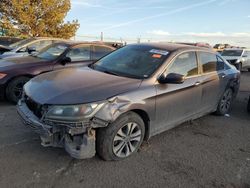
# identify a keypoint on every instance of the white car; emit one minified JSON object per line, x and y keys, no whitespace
{"x":238,"y":57}
{"x":26,"y":47}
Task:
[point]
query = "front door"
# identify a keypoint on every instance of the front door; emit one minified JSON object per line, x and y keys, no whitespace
{"x":176,"y":103}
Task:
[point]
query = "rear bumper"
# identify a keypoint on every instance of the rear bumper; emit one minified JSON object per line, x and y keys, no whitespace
{"x":80,"y":146}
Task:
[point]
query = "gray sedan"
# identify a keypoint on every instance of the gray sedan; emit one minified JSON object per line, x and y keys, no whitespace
{"x":126,"y":97}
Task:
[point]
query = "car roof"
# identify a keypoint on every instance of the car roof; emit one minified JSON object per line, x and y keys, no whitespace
{"x":75,"y":43}
{"x":171,"y":47}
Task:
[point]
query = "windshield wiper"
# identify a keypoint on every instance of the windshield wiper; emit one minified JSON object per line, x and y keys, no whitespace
{"x":111,"y":72}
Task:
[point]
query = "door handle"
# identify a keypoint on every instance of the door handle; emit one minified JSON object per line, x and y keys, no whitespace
{"x":197,"y":83}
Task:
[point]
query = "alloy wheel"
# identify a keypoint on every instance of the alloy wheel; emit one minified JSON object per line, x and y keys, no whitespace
{"x":127,"y":140}
{"x":226,"y":101}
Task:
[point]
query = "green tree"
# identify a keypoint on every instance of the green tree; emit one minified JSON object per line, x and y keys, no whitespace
{"x":37,"y":18}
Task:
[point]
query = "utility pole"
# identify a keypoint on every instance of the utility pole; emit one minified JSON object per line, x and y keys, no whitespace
{"x":102,"y":36}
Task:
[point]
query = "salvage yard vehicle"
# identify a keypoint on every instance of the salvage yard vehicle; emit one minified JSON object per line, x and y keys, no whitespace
{"x":132,"y":94}
{"x":8,"y":41}
{"x":15,"y":72}
{"x":26,"y":46}
{"x":238,"y":57}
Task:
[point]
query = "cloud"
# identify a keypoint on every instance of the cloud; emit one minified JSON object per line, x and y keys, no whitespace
{"x":240,"y":34}
{"x":160,"y":15}
{"x":248,"y":16}
{"x":86,"y":3}
{"x":215,"y":34}
{"x":218,"y":34}
{"x":159,"y":32}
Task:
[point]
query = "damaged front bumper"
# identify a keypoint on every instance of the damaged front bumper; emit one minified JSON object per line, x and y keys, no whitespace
{"x":79,"y":141}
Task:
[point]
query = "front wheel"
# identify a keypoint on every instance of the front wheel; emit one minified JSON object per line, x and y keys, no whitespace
{"x":225,"y":102}
{"x":14,"y":89}
{"x":121,"y":138}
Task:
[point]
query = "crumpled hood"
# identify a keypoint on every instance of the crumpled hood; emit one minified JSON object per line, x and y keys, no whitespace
{"x":21,"y":60}
{"x":77,"y":86}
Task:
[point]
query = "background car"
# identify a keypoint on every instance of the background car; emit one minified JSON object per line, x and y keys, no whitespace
{"x":238,"y":57}
{"x":8,"y":40}
{"x":15,"y":72}
{"x":27,"y":46}
{"x":130,"y":95}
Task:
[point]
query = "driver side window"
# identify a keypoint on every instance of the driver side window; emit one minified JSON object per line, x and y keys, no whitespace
{"x":185,"y":64}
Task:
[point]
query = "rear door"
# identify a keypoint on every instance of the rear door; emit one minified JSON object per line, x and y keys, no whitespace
{"x":213,"y":80}
{"x":176,"y":103}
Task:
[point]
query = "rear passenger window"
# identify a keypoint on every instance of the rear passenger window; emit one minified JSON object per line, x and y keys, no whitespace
{"x":185,"y":64}
{"x":208,"y":61}
{"x":100,"y":51}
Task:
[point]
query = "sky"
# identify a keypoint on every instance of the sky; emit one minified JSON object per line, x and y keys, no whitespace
{"x":213,"y":21}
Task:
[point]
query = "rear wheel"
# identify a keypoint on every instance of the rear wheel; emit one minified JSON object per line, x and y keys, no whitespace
{"x":122,"y":138}
{"x":225,"y":103}
{"x":248,"y":70}
{"x":14,"y":89}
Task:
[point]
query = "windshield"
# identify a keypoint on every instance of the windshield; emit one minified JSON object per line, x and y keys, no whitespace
{"x":232,"y":53}
{"x":52,"y":52}
{"x":21,"y":43}
{"x":132,"y":61}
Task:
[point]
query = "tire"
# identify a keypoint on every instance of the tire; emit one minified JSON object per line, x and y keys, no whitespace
{"x":14,"y":89}
{"x":248,"y":105}
{"x":116,"y":142}
{"x":248,"y":70}
{"x":225,"y":103}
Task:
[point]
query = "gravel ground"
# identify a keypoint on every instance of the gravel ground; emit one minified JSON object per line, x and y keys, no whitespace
{"x":209,"y":152}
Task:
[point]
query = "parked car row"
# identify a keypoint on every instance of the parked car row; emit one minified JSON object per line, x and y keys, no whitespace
{"x":116,"y":102}
{"x":15,"y":72}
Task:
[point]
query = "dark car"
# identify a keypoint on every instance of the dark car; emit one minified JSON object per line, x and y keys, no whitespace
{"x":8,"y":40}
{"x":26,"y":46}
{"x":130,"y":95}
{"x":15,"y":72}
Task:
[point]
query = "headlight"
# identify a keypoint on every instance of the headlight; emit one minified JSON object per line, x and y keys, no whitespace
{"x":73,"y":112}
{"x":2,"y":75}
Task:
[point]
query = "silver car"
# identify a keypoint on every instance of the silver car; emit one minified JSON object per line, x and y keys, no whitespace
{"x":238,"y":57}
{"x":26,"y":46}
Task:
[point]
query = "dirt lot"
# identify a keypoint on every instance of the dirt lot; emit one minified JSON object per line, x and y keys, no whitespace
{"x":211,"y":152}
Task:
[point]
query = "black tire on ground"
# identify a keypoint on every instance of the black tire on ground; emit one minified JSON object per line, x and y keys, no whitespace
{"x":225,"y":103}
{"x":15,"y":88}
{"x":248,"y":105}
{"x":248,"y":70}
{"x":118,"y":141}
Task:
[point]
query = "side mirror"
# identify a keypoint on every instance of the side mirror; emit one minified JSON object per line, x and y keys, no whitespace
{"x":65,"y":60}
{"x":171,"y":78}
{"x":31,"y":49}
